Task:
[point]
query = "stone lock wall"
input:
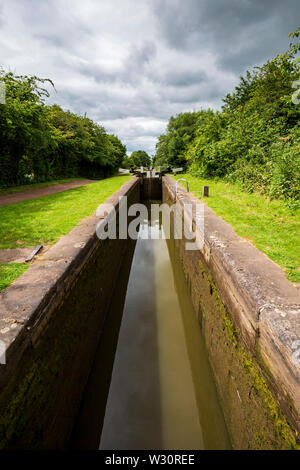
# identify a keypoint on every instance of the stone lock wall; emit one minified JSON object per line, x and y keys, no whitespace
{"x":249,"y":315}
{"x":51,"y":320}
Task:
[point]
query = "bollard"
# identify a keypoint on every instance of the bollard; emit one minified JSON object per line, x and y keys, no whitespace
{"x":205,"y":191}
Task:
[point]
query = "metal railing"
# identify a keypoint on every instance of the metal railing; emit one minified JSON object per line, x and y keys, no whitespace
{"x":187,"y":185}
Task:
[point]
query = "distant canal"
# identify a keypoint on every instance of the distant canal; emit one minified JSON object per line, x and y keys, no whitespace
{"x":159,"y":391}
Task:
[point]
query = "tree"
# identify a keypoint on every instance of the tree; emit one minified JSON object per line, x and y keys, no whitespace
{"x":171,"y":146}
{"x":254,"y":140}
{"x":40,"y":142}
{"x":137,"y":158}
{"x":118,"y":152}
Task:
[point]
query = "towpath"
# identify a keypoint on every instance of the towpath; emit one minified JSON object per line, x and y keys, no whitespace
{"x":35,"y":193}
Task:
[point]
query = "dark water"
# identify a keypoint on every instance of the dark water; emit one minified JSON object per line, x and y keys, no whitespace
{"x":161,"y":394}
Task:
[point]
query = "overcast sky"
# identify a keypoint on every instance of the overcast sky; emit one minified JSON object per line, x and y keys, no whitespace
{"x":131,"y":64}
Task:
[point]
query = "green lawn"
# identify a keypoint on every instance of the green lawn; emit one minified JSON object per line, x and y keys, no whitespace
{"x":46,"y":219}
{"x":26,"y":187}
{"x":9,"y":272}
{"x":269,"y":225}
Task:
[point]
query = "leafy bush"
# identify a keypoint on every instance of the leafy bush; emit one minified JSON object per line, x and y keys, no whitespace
{"x":285,"y":180}
{"x":39,"y":143}
{"x":254,"y":140}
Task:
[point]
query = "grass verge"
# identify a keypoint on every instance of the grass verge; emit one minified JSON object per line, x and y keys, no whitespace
{"x":9,"y":272}
{"x":46,"y":219}
{"x":268,"y":224}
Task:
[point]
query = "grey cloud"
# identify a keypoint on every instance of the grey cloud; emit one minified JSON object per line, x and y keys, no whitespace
{"x":179,"y":78}
{"x":240,"y":33}
{"x":132,"y":70}
{"x":140,"y":56}
{"x":1,"y":14}
{"x":52,"y":39}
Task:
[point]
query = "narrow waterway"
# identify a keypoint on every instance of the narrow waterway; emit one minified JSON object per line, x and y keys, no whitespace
{"x":161,"y":394}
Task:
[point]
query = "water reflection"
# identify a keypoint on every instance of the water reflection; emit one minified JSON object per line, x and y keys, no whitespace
{"x":162,"y":394}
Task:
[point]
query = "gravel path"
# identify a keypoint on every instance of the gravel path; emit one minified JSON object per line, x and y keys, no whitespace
{"x":7,"y":199}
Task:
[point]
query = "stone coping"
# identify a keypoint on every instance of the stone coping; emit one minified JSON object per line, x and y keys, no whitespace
{"x":263,"y":303}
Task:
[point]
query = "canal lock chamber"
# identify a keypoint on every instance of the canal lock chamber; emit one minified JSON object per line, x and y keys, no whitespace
{"x":159,"y":387}
{"x":133,"y":344}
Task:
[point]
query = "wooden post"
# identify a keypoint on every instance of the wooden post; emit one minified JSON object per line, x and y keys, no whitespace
{"x":205,"y":191}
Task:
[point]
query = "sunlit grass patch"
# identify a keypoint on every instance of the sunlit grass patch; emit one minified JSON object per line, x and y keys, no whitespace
{"x":269,"y":224}
{"x":9,"y":272}
{"x":46,"y":219}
